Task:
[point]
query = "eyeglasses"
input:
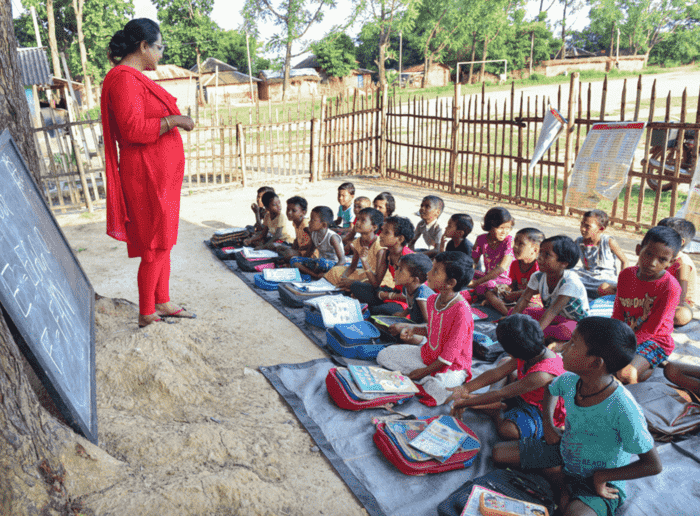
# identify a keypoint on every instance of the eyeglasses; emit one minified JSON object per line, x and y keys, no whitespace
{"x":160,"y":48}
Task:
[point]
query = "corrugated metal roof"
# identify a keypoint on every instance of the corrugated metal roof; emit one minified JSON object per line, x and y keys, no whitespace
{"x":226,"y":78}
{"x":309,"y":62}
{"x":34,"y":66}
{"x":168,"y":71}
{"x":297,"y":73}
{"x":209,"y":66}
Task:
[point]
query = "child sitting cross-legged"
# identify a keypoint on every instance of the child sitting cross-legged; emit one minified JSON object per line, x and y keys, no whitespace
{"x":430,"y":210}
{"x":445,"y":358}
{"x":276,"y":229}
{"x":605,"y":426}
{"x":323,"y":240}
{"x":563,"y":295}
{"x":536,"y":367}
{"x":454,"y":238}
{"x":259,"y":208}
{"x":380,"y":280}
{"x":683,"y":269}
{"x":496,"y":246}
{"x":526,"y":249}
{"x":366,"y":246}
{"x":646,"y":300}
{"x":348,"y":234}
{"x":296,"y":213}
{"x":598,"y":271}
{"x":411,"y":274}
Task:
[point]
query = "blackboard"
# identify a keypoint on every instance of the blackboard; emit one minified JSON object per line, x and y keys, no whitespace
{"x":46,"y":294}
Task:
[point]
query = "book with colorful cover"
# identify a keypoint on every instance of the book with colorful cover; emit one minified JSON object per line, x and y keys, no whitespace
{"x":486,"y":502}
{"x":441,"y":439}
{"x":377,"y":379}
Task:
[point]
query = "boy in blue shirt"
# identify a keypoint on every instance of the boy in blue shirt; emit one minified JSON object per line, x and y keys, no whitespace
{"x":604,"y":425}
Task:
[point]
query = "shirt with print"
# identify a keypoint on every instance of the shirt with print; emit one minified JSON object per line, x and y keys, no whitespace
{"x":422,"y":293}
{"x":450,"y":333}
{"x":602,"y":436}
{"x":347,"y":216}
{"x":569,"y":285}
{"x":648,"y":307}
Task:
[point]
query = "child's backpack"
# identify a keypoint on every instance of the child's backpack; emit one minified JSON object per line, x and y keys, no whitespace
{"x":392,"y":439}
{"x":231,"y":237}
{"x":327,"y":311}
{"x":345,"y":393}
{"x":669,"y":410}
{"x":256,"y":261}
{"x":270,"y":279}
{"x":361,"y":340}
{"x":484,"y":348}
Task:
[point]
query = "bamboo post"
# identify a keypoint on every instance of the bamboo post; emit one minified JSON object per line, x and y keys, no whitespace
{"x":569,"y":129}
{"x":312,"y":151}
{"x":382,"y":132}
{"x":240,"y":136}
{"x":453,"y":140}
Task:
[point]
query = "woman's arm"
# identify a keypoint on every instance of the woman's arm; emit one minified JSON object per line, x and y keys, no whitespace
{"x":617,"y":251}
{"x":171,"y":121}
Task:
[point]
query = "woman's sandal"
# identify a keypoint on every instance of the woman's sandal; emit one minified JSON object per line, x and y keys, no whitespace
{"x":182,"y":313}
{"x":157,"y":319}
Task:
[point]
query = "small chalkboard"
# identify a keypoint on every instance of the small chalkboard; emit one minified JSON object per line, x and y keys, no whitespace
{"x":46,"y":294}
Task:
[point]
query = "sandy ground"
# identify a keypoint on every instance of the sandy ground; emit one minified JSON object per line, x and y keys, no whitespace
{"x":187,"y":425}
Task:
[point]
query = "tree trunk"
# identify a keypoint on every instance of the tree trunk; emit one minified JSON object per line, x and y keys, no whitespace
{"x":563,"y":32}
{"x":383,"y":46}
{"x":287,"y":65}
{"x":53,"y":44}
{"x":426,"y":70}
{"x":78,"y":8}
{"x":532,"y":49}
{"x":14,"y":109}
{"x":199,"y":71}
{"x":483,"y":58}
{"x":471,"y":65}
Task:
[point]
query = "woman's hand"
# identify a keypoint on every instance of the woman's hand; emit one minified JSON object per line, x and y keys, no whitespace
{"x":183,"y":122}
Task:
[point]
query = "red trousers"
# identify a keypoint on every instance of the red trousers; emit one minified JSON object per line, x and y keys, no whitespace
{"x":154,"y":281}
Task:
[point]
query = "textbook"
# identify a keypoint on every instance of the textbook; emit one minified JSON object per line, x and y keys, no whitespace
{"x":485,"y":502}
{"x":376,"y":379}
{"x":322,"y":285}
{"x":251,"y":253}
{"x":441,"y":439}
{"x":222,"y":232}
{"x":388,"y":320}
{"x":291,"y":274}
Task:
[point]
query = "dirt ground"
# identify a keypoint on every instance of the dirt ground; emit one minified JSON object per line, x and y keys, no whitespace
{"x":187,"y":425}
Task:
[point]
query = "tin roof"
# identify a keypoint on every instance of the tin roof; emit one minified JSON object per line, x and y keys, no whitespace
{"x":274,"y":76}
{"x":34,"y":66}
{"x":168,"y":72}
{"x":226,"y":78}
{"x":209,"y":66}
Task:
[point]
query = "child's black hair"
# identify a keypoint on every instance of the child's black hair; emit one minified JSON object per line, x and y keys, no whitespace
{"x":267,"y":198}
{"x":435,"y":202}
{"x":363,"y":200}
{"x":349,"y":187}
{"x":532,"y":234}
{"x":265,"y":189}
{"x":463,"y":222}
{"x":402,"y":227}
{"x":496,"y":217}
{"x":375,"y":216}
{"x":301,"y":202}
{"x":418,"y":265}
{"x":521,"y":336}
{"x":458,"y":266}
{"x":390,"y":202}
{"x":610,"y":339}
{"x":685,"y":228}
{"x":565,"y":249}
{"x":666,"y":236}
{"x":599,"y":215}
{"x":325,"y":213}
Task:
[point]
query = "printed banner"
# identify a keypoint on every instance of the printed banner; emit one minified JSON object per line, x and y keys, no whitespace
{"x":551,"y":128}
{"x":602,"y":164}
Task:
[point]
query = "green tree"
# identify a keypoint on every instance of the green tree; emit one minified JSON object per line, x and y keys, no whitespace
{"x":293,"y":17}
{"x":336,"y":54}
{"x":230,"y":48}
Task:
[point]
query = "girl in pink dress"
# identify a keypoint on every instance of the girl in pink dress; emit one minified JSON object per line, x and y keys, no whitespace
{"x":496,"y":246}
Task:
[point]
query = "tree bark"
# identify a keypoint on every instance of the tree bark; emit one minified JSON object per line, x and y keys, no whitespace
{"x":53,"y":44}
{"x":14,"y":109}
{"x":78,"y":8}
{"x":471,"y":65}
{"x":287,"y":65}
{"x":384,"y":41}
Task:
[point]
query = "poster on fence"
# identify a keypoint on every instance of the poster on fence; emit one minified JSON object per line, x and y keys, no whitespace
{"x":551,"y":128}
{"x":691,"y":210}
{"x":602,"y":164}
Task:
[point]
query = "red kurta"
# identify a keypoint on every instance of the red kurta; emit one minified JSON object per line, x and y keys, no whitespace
{"x":144,"y":180}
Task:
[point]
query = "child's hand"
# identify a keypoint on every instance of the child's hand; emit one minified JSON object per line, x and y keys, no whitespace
{"x":459,"y":406}
{"x":254,"y":207}
{"x":602,"y":488}
{"x":551,"y":435}
{"x":395,"y":329}
{"x":246,"y":242}
{"x":407,"y":334}
{"x":458,"y":393}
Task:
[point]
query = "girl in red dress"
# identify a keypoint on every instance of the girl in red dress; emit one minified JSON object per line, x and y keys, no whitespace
{"x":144,"y":179}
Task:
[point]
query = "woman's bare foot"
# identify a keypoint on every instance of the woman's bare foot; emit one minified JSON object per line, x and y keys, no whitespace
{"x":145,"y":320}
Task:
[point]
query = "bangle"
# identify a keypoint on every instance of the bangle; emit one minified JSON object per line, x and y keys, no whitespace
{"x":167,"y":124}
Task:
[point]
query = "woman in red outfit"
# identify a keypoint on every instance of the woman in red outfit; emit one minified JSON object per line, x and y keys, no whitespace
{"x":144,"y":179}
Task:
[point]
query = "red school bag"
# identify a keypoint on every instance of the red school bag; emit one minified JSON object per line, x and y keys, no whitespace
{"x":342,"y":390}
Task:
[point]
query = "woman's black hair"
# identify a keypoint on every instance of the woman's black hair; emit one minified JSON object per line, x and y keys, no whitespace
{"x":463,"y":222}
{"x":458,"y":266}
{"x":418,"y":265}
{"x":302,"y":203}
{"x":565,"y":249}
{"x":521,"y":336}
{"x":267,"y":197}
{"x":496,"y":217}
{"x":402,"y":227}
{"x":325,"y":214}
{"x":390,"y":202}
{"x":375,"y":216}
{"x":609,"y":339}
{"x":666,"y":236}
{"x":532,"y":234}
{"x":127,"y":40}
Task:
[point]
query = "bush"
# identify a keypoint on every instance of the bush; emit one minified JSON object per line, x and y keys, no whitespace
{"x":536,"y":77}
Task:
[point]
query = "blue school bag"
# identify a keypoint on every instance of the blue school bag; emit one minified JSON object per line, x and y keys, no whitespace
{"x":361,"y":340}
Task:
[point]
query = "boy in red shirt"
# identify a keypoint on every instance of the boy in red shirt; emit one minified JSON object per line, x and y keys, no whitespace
{"x":646,"y":300}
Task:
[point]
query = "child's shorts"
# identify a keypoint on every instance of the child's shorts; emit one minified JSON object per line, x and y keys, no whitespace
{"x":317,"y":264}
{"x":526,"y":417}
{"x":652,"y":353}
{"x":537,"y":454}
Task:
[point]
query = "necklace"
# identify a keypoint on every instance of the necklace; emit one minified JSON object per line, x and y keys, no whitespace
{"x":443,"y":305}
{"x":584,"y":396}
